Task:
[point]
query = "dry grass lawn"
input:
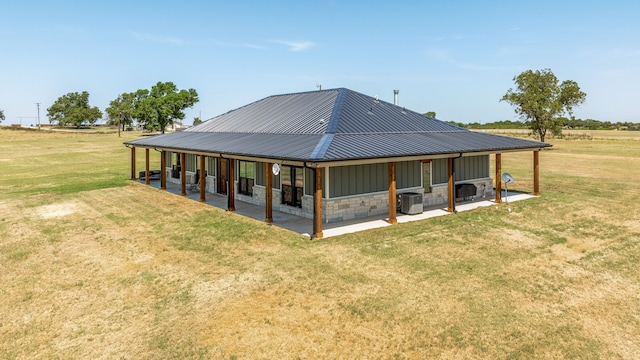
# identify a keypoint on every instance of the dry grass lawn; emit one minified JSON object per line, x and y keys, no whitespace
{"x":95,"y":267}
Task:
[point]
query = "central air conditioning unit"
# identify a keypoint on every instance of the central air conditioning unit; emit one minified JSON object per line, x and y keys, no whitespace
{"x":411,"y":203}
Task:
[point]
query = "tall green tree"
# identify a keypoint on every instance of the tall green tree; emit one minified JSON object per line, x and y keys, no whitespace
{"x":1,"y":115}
{"x":541,"y":102}
{"x":73,"y":109}
{"x":163,"y":105}
{"x":122,"y":109}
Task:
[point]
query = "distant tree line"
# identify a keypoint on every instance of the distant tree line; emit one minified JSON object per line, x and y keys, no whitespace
{"x":566,"y":124}
{"x":154,"y":109}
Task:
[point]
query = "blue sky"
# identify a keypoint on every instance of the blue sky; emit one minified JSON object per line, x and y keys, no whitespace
{"x":456,"y":58}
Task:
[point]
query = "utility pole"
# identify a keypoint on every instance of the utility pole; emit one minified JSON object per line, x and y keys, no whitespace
{"x":119,"y":99}
{"x":38,"y":104}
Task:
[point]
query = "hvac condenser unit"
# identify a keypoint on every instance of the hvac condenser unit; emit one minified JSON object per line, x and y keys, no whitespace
{"x":411,"y":203}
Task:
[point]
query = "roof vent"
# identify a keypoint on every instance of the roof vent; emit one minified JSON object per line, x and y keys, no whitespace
{"x":395,"y":97}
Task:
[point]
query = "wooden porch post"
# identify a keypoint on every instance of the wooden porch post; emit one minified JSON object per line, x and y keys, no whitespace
{"x":268,"y":194}
{"x":203,"y":184}
{"x":450,"y":186}
{"x":392,"y":193}
{"x":133,"y":163}
{"x":183,"y":175}
{"x":317,"y":208}
{"x":536,"y":173}
{"x":231,"y":196}
{"x":147,"y":179}
{"x":163,"y":170}
{"x":498,"y":178}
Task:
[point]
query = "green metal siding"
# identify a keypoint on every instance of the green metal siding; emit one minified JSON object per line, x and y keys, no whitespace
{"x":466,"y":168}
{"x":358,"y":179}
{"x":472,"y":167}
{"x":439,"y":171}
{"x":190,"y":159}
{"x":308,"y":181}
{"x":408,"y":174}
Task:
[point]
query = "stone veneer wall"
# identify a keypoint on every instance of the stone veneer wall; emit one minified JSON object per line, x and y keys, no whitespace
{"x":349,"y":207}
{"x":438,"y":195}
{"x":259,"y":198}
{"x":189,"y":175}
{"x":209,"y":180}
{"x":354,"y":207}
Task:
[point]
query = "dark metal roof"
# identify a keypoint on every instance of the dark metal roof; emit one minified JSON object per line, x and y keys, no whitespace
{"x":330,"y":125}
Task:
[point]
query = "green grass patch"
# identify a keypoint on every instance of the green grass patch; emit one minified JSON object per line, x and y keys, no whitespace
{"x":133,"y":270}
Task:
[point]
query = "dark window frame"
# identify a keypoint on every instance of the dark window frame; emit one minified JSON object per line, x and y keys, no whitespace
{"x":246,"y":178}
{"x":292,"y":183}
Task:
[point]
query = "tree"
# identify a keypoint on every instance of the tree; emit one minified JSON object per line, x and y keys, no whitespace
{"x":196,"y":121}
{"x":540,"y":101}
{"x":162,"y":105}
{"x":1,"y":115}
{"x":431,"y":114}
{"x":73,"y":109}
{"x":121,"y":109}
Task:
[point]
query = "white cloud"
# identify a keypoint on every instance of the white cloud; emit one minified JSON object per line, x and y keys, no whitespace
{"x":296,"y":45}
{"x":158,"y":39}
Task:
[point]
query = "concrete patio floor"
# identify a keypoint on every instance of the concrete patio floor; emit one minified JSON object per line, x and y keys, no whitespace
{"x":304,"y":226}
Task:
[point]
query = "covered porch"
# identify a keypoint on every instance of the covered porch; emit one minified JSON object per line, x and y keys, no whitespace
{"x":303,"y":225}
{"x":316,"y":228}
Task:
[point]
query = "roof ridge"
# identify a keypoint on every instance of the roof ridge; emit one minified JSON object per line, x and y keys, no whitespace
{"x":334,"y":120}
{"x":323,"y":145}
{"x":306,"y":92}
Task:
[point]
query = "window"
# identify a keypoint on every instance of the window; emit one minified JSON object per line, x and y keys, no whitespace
{"x":292,"y":180}
{"x":211,"y":165}
{"x":247,"y":177}
{"x":426,"y":176}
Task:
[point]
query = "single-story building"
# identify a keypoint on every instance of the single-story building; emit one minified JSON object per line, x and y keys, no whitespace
{"x":332,"y":155}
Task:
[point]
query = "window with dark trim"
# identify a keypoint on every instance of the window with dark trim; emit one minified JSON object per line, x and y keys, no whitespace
{"x":246,"y":171}
{"x":292,"y":178}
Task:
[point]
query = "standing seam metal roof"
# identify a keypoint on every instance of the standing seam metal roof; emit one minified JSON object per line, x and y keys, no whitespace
{"x":330,"y":125}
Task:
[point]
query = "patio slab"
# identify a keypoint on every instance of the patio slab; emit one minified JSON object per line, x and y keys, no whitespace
{"x":304,"y":226}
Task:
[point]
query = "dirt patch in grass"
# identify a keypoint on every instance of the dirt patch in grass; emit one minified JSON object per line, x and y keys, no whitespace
{"x":56,"y":210}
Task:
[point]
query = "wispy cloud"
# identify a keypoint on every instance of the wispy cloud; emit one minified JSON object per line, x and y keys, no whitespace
{"x":296,"y":45}
{"x":228,"y":44}
{"x":456,"y":37}
{"x":253,"y":46}
{"x":445,"y":57}
{"x":158,"y":39}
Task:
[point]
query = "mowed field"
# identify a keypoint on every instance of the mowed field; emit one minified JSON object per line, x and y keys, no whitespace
{"x":93,"y":266}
